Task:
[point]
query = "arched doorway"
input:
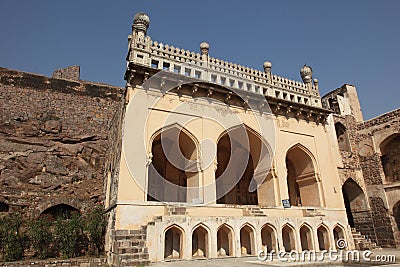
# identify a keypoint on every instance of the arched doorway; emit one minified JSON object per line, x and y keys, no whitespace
{"x":173,"y":170}
{"x":4,"y":207}
{"x":396,"y":214}
{"x":247,"y":240}
{"x":354,"y":199}
{"x":200,"y":242}
{"x":173,"y":243}
{"x":323,"y":238}
{"x":391,"y":158}
{"x":338,"y":233}
{"x":301,"y":178}
{"x":288,"y":238}
{"x":268,"y":238}
{"x":60,"y":211}
{"x":225,"y":241}
{"x":244,"y":161}
{"x":306,"y":238}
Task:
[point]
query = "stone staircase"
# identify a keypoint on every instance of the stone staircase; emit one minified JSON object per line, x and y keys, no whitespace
{"x":362,"y":242}
{"x":129,"y":247}
{"x":253,"y":211}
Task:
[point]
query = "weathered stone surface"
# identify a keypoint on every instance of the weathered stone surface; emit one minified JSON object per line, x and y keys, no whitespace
{"x":57,"y":145}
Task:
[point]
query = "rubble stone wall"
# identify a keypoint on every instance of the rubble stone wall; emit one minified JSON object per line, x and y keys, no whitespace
{"x":58,"y":140}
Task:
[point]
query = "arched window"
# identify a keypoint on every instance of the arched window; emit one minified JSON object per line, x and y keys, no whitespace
{"x":391,"y":158}
{"x":342,"y":137}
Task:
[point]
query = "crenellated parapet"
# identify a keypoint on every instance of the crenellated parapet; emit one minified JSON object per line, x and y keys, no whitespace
{"x":144,"y":51}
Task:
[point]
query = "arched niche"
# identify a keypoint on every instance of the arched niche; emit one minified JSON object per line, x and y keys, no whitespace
{"x":59,"y":211}
{"x":173,"y":175}
{"x":301,"y":178}
{"x":242,"y":175}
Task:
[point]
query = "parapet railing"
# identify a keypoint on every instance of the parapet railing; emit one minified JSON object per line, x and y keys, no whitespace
{"x":188,"y":63}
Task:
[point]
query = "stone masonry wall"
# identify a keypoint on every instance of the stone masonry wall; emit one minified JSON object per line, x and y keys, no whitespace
{"x":57,"y":140}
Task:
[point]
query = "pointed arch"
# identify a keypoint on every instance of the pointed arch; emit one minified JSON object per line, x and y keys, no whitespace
{"x":323,"y":237}
{"x":390,"y":157}
{"x":338,"y":233}
{"x":288,"y":237}
{"x":173,"y":242}
{"x":200,"y":241}
{"x":342,"y":137}
{"x":237,"y":179}
{"x":306,"y":237}
{"x":268,"y":237}
{"x":302,"y":177}
{"x":180,"y":128}
{"x":396,"y":214}
{"x":225,"y":241}
{"x":247,"y":239}
{"x":354,"y":199}
{"x":173,"y":175}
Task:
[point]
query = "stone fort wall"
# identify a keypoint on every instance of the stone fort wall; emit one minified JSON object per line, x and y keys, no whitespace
{"x":58,"y":140}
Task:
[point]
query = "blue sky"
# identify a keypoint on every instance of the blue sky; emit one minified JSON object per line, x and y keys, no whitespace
{"x":355,"y":42}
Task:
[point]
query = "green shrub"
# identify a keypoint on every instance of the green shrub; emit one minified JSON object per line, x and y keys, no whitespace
{"x":95,"y":227}
{"x":40,"y":236}
{"x":70,"y":238}
{"x":12,"y":240}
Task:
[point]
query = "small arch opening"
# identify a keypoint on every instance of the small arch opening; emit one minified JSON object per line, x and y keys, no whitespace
{"x":268,"y":238}
{"x":246,"y":240}
{"x":4,"y":207}
{"x":306,"y":238}
{"x":60,"y":211}
{"x":289,"y":241}
{"x":200,"y":243}
{"x":173,"y":243}
{"x":323,"y":238}
{"x":338,"y":233}
{"x":224,"y":241}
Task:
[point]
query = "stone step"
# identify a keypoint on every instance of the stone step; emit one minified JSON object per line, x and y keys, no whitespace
{"x":134,"y":256}
{"x":135,"y":263}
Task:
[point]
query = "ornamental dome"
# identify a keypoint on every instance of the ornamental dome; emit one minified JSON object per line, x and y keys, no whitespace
{"x":141,"y":22}
{"x":204,"y":47}
{"x":306,"y":73}
{"x":267,"y":66}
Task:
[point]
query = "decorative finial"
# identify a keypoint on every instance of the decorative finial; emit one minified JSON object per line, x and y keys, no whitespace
{"x":141,"y":22}
{"x":204,"y":47}
{"x":306,"y":74}
{"x":267,"y":66}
